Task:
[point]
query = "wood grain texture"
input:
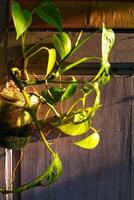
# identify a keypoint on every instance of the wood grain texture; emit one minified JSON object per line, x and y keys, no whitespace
{"x":2,"y":171}
{"x":121,"y":56}
{"x":100,"y":174}
{"x":89,"y":14}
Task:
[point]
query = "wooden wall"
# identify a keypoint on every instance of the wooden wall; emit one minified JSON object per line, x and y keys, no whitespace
{"x":107,"y":171}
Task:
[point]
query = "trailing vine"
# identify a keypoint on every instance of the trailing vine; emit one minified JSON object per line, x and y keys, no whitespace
{"x":75,"y":121}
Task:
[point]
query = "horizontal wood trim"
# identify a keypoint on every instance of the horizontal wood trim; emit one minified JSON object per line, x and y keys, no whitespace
{"x":122,"y":51}
{"x":89,"y":14}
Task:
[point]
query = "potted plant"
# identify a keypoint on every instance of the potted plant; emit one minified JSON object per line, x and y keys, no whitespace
{"x":24,"y":105}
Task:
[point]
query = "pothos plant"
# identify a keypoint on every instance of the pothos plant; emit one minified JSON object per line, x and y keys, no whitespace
{"x":73,"y":122}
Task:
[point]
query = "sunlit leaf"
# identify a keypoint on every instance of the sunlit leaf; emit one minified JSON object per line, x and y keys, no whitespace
{"x":108,"y":38}
{"x":70,"y":90}
{"x":53,"y":94}
{"x":22,"y":18}
{"x":62,"y":43}
{"x":82,"y":115}
{"x":89,"y":142}
{"x":79,"y":117}
{"x":72,"y":129}
{"x":49,"y":13}
{"x":51,"y":60}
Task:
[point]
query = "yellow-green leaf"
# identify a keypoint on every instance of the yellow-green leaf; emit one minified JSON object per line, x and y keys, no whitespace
{"x":70,"y":90}
{"x":49,"y":12}
{"x":62,"y":43}
{"x":108,"y":38}
{"x":75,"y":129}
{"x":51,"y":60}
{"x":22,"y":19}
{"x":89,"y":142}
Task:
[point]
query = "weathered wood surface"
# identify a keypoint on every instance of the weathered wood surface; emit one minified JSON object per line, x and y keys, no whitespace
{"x":90,"y":14}
{"x":2,"y":170}
{"x":121,"y":56}
{"x":100,"y":174}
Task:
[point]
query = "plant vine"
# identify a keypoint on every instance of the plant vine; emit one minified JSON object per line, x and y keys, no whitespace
{"x":73,"y":122}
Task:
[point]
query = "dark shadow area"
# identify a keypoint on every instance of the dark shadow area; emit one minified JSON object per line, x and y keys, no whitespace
{"x":110,"y":183}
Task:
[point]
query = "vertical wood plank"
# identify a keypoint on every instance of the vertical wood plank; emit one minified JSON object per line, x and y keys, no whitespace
{"x":2,"y":170}
{"x":8,"y":172}
{"x":16,"y":172}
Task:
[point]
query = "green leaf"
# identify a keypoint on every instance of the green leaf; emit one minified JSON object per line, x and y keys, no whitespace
{"x":70,"y":90}
{"x":72,"y":129}
{"x":89,"y":142}
{"x":22,"y":19}
{"x":108,"y":38}
{"x":82,"y":115}
{"x":51,"y":60}
{"x":48,"y":12}
{"x":53,"y":172}
{"x":62,"y":43}
{"x":53,"y":94}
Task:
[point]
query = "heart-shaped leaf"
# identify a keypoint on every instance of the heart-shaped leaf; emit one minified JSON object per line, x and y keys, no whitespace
{"x":70,"y":90}
{"x":22,"y":19}
{"x":75,"y":129}
{"x":53,"y":94}
{"x":89,"y":142}
{"x":62,"y":43}
{"x":49,"y":13}
{"x":51,"y":60}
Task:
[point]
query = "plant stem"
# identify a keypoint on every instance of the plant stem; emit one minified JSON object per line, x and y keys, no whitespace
{"x":52,"y":107}
{"x":23,"y":38}
{"x":36,"y":121}
{"x":76,"y":46}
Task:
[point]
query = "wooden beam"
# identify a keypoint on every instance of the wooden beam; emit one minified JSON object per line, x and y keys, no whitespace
{"x":88,"y":14}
